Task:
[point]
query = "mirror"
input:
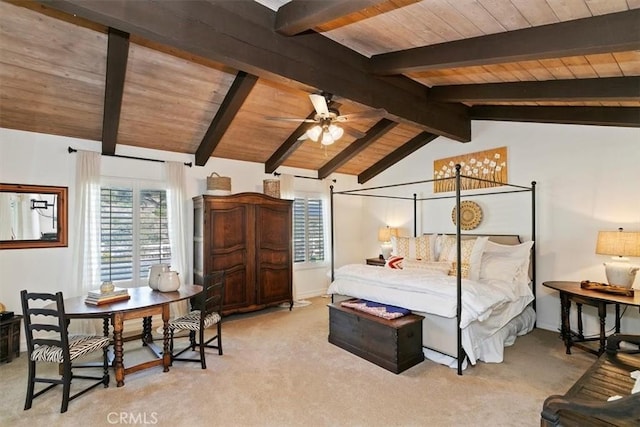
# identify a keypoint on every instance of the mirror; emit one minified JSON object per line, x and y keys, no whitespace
{"x":32,"y":216}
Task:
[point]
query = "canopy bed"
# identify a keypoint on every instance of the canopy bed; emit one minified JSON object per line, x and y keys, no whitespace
{"x":476,"y":292}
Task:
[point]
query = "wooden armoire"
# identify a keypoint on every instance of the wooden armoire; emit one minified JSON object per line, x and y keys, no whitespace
{"x":248,"y":235}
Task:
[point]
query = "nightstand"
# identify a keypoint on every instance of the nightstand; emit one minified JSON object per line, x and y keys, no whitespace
{"x":376,"y":261}
{"x":10,"y":338}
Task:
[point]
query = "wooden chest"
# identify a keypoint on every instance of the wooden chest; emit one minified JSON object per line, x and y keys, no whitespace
{"x":395,"y":345}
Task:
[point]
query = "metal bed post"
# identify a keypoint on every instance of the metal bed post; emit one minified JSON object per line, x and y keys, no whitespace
{"x":535,"y":243}
{"x":458,"y":270}
{"x":332,"y":244}
{"x":415,"y":215}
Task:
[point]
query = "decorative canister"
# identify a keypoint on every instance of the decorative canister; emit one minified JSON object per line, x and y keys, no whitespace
{"x":271,"y":187}
{"x":169,"y":281}
{"x":154,"y":274}
{"x":218,"y":185}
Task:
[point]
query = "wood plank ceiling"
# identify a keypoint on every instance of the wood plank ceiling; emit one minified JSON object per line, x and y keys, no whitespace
{"x":202,"y":77}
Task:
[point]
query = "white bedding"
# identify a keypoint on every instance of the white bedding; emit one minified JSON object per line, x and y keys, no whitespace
{"x":487,"y":306}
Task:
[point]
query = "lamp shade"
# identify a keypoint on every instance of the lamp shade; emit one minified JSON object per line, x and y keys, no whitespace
{"x":618,"y":243}
{"x":385,"y":233}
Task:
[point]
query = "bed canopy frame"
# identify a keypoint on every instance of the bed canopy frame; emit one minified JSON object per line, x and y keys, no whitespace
{"x":457,"y":178}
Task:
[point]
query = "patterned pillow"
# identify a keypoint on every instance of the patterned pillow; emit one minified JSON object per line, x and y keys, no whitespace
{"x":434,"y":266}
{"x":466,"y":268}
{"x":413,"y":247}
{"x":395,"y":262}
{"x":471,"y":251}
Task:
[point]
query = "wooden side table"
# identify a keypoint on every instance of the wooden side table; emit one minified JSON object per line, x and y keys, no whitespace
{"x":10,"y":338}
{"x":571,"y":291}
{"x":376,"y":261}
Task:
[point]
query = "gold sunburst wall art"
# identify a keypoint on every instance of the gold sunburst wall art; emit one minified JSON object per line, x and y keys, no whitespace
{"x":489,"y":164}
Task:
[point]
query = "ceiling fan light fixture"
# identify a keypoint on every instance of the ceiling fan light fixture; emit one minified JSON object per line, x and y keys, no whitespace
{"x":336,"y":132}
{"x":314,"y":132}
{"x":327,"y":138}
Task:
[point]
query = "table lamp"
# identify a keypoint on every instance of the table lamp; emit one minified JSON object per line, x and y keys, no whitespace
{"x":621,"y":244}
{"x":384,"y":236}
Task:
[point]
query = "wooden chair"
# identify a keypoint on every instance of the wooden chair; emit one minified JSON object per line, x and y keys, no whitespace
{"x":586,"y":403}
{"x":206,"y":309}
{"x":57,"y":347}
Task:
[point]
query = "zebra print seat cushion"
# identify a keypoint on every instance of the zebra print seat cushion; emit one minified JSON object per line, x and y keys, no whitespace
{"x":191,"y":321}
{"x":78,"y":345}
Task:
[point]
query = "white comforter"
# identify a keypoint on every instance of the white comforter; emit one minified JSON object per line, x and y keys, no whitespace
{"x":432,"y":292}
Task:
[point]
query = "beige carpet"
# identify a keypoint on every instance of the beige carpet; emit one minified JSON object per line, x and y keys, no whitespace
{"x":279,"y":370}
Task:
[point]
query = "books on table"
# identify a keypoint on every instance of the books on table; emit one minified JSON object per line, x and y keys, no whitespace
{"x":98,"y":298}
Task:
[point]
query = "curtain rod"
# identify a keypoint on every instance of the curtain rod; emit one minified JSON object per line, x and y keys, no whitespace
{"x":303,"y":177}
{"x":122,"y":156}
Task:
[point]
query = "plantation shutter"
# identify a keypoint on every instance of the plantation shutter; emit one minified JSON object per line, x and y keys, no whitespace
{"x":116,"y":234}
{"x":154,"y":231}
{"x":308,"y":230}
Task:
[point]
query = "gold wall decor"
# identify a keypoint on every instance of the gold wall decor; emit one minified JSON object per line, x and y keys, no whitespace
{"x":489,"y":164}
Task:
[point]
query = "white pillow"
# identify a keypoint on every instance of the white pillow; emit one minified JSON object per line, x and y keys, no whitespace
{"x":506,"y":262}
{"x":472,"y":250}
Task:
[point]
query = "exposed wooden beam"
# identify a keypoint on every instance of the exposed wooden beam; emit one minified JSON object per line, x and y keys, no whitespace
{"x":604,"y":89}
{"x":600,"y":116}
{"x":233,"y":100}
{"x":394,"y":157}
{"x":614,"y":32}
{"x":291,"y":144}
{"x":240,"y":34}
{"x":117,"y":56}
{"x":301,"y":15}
{"x":377,"y":131}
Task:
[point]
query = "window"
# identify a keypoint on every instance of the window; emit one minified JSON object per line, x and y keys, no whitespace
{"x":133,"y":232}
{"x":308,"y":229}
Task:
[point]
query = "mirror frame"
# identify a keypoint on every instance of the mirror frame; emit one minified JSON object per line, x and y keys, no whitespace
{"x":61,"y":193}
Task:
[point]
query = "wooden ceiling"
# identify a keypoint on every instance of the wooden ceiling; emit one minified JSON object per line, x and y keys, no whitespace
{"x":201,"y":77}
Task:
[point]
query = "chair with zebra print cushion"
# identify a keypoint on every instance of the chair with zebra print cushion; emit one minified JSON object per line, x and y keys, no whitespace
{"x":206,"y":311}
{"x":45,"y":325}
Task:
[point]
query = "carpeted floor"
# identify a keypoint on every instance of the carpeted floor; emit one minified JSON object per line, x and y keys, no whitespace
{"x":279,"y":370}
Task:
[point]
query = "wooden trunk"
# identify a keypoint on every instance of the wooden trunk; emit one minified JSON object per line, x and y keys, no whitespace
{"x":248,"y":235}
{"x":395,"y":345}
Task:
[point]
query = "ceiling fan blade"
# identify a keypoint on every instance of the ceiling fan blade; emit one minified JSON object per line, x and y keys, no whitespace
{"x":353,"y":132}
{"x":370,"y":114}
{"x":319,"y":104}
{"x":290,"y":119}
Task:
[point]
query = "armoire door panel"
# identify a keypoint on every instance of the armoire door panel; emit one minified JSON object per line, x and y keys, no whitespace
{"x":235,"y":289}
{"x":273,"y":284}
{"x":228,"y":227}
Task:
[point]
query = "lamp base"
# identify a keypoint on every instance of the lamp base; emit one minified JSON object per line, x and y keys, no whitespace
{"x":386,"y":249}
{"x":620,"y":273}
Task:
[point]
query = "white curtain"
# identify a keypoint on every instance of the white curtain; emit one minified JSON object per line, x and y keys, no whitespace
{"x":286,"y":187}
{"x":86,"y":249}
{"x":176,"y":203}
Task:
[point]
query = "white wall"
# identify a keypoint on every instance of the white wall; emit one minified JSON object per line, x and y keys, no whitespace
{"x":31,"y":158}
{"x":588,"y":179}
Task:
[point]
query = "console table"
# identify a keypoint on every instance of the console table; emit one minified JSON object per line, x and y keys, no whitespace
{"x":10,"y":338}
{"x":571,"y":291}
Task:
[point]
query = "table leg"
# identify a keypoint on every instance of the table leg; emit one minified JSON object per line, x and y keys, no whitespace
{"x":146,"y":330}
{"x":617,"y":318}
{"x":580,"y":328}
{"x":118,"y":324}
{"x":602,"y":313}
{"x":166,"y":355}
{"x":565,"y":329}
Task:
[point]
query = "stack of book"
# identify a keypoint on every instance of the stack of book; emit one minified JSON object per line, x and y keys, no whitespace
{"x":99,"y":298}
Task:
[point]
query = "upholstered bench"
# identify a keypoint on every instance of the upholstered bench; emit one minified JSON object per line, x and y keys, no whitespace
{"x":586,"y":403}
{"x":395,"y":344}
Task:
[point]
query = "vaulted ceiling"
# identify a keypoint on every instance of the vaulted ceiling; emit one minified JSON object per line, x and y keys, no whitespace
{"x":205,"y":77}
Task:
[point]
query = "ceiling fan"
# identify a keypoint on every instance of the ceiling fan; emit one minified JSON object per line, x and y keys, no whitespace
{"x":326,"y":130}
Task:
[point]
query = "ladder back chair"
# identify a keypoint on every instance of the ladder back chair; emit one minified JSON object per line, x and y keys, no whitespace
{"x":206,"y":311}
{"x":48,"y":340}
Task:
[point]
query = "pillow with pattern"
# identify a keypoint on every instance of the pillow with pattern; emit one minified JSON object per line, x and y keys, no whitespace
{"x":413,"y":247}
{"x":433,"y":266}
{"x":394,"y":262}
{"x":471,"y":251}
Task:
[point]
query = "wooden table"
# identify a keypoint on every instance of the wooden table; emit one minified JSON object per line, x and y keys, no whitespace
{"x":571,"y":291}
{"x":144,"y":303}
